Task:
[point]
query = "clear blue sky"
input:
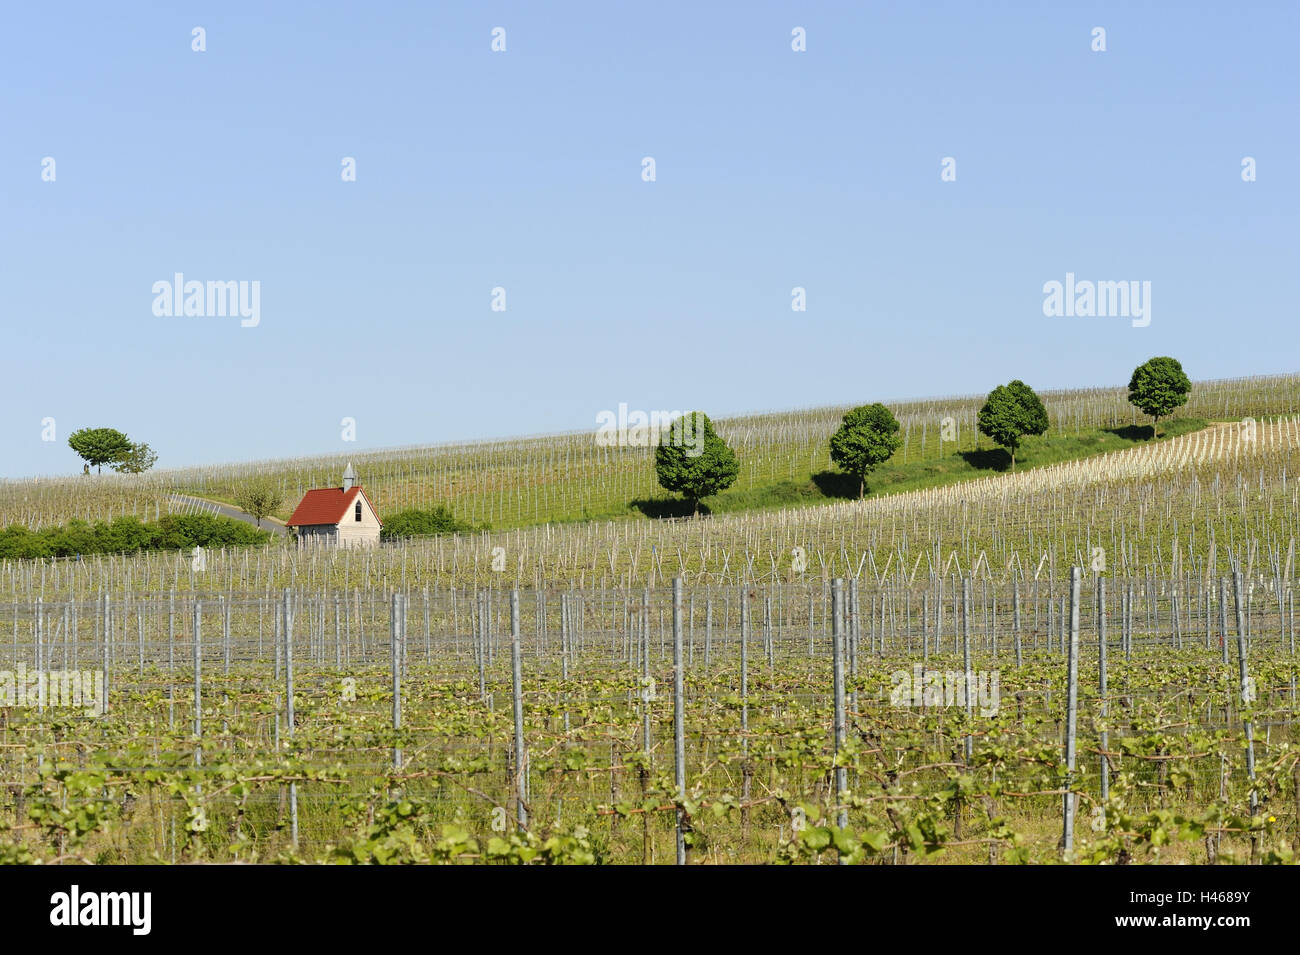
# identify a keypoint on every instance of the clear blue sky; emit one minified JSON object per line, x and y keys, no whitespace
{"x":522,"y":169}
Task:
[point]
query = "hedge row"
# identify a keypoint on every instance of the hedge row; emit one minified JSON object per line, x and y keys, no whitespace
{"x":128,"y":535}
{"x":417,"y":523}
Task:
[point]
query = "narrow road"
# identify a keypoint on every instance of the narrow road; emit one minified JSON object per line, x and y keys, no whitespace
{"x":226,"y":510}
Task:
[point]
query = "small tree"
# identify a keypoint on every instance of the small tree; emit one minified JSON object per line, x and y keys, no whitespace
{"x":693,"y":460}
{"x":1157,"y":387}
{"x":1011,"y":412}
{"x":139,"y":459}
{"x":867,"y":436}
{"x":99,"y":446}
{"x":259,"y":497}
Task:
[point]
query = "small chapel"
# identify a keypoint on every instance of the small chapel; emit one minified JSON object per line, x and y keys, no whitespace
{"x":336,"y":516}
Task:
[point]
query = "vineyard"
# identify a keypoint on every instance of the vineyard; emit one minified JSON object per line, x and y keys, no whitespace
{"x":1109,"y":719}
{"x":1087,"y":662}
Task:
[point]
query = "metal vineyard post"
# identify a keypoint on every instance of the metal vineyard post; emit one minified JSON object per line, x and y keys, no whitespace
{"x":106,"y":651}
{"x":198,"y":682}
{"x":744,"y":671}
{"x":645,"y":673}
{"x":679,"y":721}
{"x":1101,"y":686}
{"x":517,"y":692}
{"x":837,"y":668}
{"x":1223,"y":619}
{"x":395,"y":642}
{"x":1247,"y":697}
{"x":968,"y":676}
{"x":1072,"y":707}
{"x":287,"y":630}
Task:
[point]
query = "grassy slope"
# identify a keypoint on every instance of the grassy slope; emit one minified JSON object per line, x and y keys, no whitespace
{"x":562,"y":478}
{"x":894,"y":477}
{"x":890,"y":478}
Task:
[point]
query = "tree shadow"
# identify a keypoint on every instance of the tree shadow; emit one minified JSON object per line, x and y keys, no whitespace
{"x":837,"y":484}
{"x":668,"y":507}
{"x":1134,"y":432}
{"x":993,"y":459}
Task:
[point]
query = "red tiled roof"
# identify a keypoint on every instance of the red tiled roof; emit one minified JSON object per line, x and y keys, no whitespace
{"x":327,"y":505}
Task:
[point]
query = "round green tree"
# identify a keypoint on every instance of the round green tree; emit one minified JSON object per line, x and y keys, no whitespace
{"x":692,"y":460}
{"x":1011,"y":412}
{"x":867,"y":436}
{"x":1157,"y":387}
{"x":100,"y":446}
